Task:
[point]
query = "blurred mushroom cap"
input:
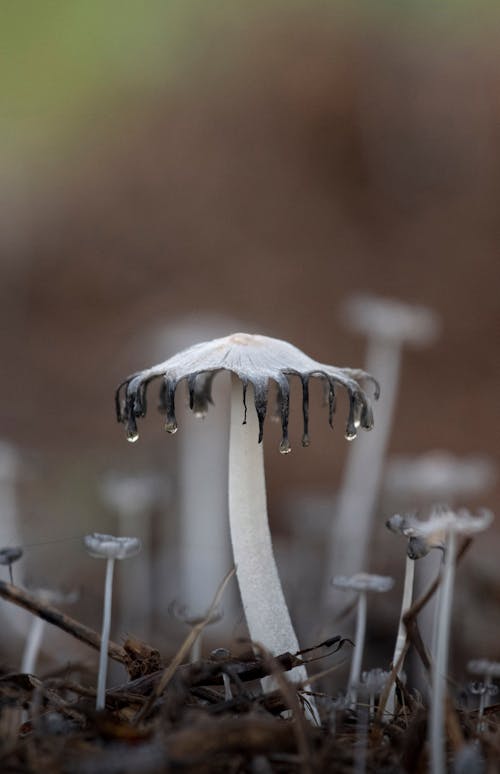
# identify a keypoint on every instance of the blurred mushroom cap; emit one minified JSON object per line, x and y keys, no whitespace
{"x":364,"y":581}
{"x":110,"y":547}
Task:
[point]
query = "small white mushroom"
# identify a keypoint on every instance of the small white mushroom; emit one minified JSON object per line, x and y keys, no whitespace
{"x":8,"y":556}
{"x":110,"y":548}
{"x":419,"y":545}
{"x":362,"y":583}
{"x":452,"y":523}
{"x":389,"y":325}
{"x":488,"y":671}
{"x":182,"y":613}
{"x":35,"y":634}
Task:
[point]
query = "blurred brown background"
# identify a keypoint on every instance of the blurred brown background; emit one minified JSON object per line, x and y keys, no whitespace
{"x":265,"y":170}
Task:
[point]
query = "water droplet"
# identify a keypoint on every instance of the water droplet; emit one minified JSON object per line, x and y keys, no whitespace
{"x":305,"y":440}
{"x":132,"y":437}
{"x":285,"y":447}
{"x":200,"y":414}
{"x":171,"y":426}
{"x":350,"y":434}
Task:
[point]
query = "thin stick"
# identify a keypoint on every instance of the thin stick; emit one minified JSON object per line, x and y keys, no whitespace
{"x":186,"y":646}
{"x":56,"y":618}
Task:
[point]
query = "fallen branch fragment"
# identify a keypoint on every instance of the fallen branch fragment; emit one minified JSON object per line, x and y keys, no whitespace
{"x":61,"y":620}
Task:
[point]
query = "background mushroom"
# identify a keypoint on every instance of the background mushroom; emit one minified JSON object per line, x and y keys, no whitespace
{"x":253,"y":361}
{"x":362,"y":583}
{"x":108,"y":547}
{"x":388,"y":325}
{"x":453,"y":524}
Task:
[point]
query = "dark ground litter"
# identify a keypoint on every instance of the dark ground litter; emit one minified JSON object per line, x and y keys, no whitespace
{"x":176,"y":716}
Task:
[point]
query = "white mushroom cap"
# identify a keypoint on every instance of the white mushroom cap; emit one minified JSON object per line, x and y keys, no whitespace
{"x":10,"y":554}
{"x":485,"y":667}
{"x":110,"y":547}
{"x":255,"y":360}
{"x":391,"y":319}
{"x":56,"y":596}
{"x":364,"y":581}
{"x":132,"y":493}
{"x":461,"y":521}
{"x":374,"y":680}
{"x":439,"y":474}
{"x":419,"y":544}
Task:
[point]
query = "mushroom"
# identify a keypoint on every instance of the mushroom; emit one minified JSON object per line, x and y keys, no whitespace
{"x":8,"y":556}
{"x":362,"y":583}
{"x":452,"y":524}
{"x":422,"y":481}
{"x":35,"y":634}
{"x":182,"y":613}
{"x":389,"y":325}
{"x":419,"y":545}
{"x":253,"y":361}
{"x":133,"y":498}
{"x":110,"y":548}
{"x":488,"y":671}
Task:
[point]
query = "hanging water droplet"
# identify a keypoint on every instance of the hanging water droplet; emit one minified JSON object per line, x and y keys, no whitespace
{"x":285,"y":447}
{"x":350,"y":434}
{"x":200,"y":414}
{"x":171,"y":426}
{"x":357,"y":421}
{"x":305,"y":440}
{"x":132,"y":437}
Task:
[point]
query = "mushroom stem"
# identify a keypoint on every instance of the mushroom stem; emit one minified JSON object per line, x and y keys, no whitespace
{"x":263,"y":600}
{"x":33,"y":643}
{"x":357,"y":656}
{"x":401,"y":635}
{"x":437,"y":741}
{"x":351,"y":535}
{"x":106,"y":626}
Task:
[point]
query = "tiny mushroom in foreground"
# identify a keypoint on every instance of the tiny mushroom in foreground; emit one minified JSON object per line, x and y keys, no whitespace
{"x":182,"y":613}
{"x":488,"y":671}
{"x":35,"y":635}
{"x":253,"y":362}
{"x":419,"y":545}
{"x":452,"y":523}
{"x":8,"y":556}
{"x":362,"y":582}
{"x":110,"y":548}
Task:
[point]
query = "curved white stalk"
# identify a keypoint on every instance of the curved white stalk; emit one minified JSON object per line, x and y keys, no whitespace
{"x":357,"y":656}
{"x":437,"y":737}
{"x":106,"y":626}
{"x":263,"y":600}
{"x":32,"y":647}
{"x":401,"y":635}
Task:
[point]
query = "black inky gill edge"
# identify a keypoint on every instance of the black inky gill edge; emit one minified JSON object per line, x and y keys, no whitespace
{"x":245,"y":385}
{"x":284,"y":402}
{"x":260,"y":400}
{"x":168,"y":398}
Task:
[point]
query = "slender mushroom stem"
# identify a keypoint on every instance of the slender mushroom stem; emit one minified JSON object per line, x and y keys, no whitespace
{"x":106,"y":626}
{"x":263,"y":600}
{"x":437,"y":740}
{"x":357,"y":656}
{"x":401,"y":636}
{"x":32,"y":647}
